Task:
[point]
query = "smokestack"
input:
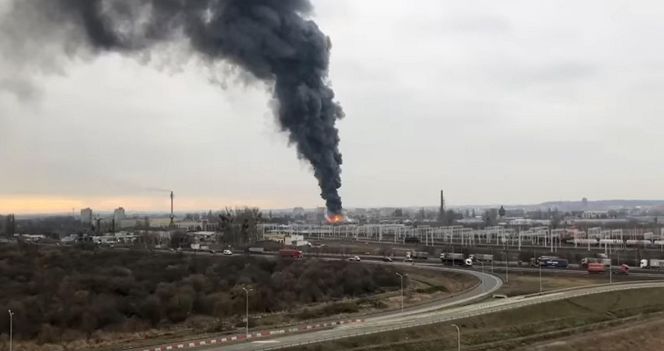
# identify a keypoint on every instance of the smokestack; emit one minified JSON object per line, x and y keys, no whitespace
{"x":442,"y":201}
{"x":172,"y":224}
{"x":275,"y":41}
{"x":441,"y":210}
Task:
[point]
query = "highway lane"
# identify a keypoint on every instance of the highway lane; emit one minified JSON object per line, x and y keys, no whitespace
{"x":639,"y":273}
{"x":497,"y":266}
{"x":425,"y":313}
{"x":488,"y":285}
{"x":396,"y":322}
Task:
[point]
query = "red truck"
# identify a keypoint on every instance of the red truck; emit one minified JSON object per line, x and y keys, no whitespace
{"x":290,"y":253}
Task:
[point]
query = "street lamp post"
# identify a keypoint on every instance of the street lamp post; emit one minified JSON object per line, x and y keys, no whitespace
{"x":11,"y":329}
{"x":507,"y":268}
{"x":610,"y":267}
{"x":401,"y":278}
{"x":481,"y":283}
{"x":246,"y":292}
{"x":610,"y":271}
{"x":540,"y":275}
{"x":458,"y":337}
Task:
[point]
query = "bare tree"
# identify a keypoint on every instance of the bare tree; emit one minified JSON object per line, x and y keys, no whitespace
{"x":240,"y":226}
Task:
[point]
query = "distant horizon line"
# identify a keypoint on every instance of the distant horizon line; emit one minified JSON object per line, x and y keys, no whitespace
{"x":282,"y":209}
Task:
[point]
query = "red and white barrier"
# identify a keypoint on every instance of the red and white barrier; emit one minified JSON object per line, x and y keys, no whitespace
{"x":243,"y":337}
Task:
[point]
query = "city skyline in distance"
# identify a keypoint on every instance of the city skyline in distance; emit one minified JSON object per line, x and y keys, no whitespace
{"x":161,"y":206}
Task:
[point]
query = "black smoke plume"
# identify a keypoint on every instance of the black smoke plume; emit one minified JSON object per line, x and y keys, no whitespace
{"x":271,"y":39}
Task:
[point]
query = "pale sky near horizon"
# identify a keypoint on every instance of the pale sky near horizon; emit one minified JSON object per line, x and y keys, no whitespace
{"x":494,"y":102}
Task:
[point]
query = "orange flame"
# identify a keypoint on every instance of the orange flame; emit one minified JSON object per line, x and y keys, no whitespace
{"x":335,"y":218}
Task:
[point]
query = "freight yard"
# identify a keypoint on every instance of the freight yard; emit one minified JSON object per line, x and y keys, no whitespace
{"x":456,"y":244}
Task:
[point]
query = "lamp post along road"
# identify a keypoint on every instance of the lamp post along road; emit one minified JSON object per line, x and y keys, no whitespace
{"x":540,"y":275}
{"x":401,"y":278}
{"x":246,"y":291}
{"x":610,"y":267}
{"x":458,"y":336}
{"x":11,"y":329}
{"x":507,"y":268}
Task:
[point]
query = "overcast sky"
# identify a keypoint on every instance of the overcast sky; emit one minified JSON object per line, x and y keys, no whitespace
{"x":496,"y":102}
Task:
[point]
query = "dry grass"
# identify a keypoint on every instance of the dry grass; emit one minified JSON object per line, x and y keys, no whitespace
{"x":639,"y":335}
{"x":527,"y":283}
{"x":519,"y":328}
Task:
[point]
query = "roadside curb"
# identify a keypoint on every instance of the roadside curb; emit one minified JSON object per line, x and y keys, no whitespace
{"x":243,"y":337}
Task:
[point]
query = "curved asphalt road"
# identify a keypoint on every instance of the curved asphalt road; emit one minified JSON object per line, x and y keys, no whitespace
{"x":374,"y":323}
{"x":452,"y":308}
{"x":433,"y":315}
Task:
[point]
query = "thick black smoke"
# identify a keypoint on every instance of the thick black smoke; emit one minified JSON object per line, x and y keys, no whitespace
{"x":272,"y":39}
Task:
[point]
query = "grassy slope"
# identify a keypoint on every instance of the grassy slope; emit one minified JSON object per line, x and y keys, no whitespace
{"x":513,"y":329}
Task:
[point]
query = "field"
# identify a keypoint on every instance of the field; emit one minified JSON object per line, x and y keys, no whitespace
{"x":642,"y":335}
{"x":526,"y":327}
{"x":521,"y":283}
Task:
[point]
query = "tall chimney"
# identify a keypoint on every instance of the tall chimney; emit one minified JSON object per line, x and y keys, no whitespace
{"x":441,"y":210}
{"x":442,"y":201}
{"x":172,"y":216}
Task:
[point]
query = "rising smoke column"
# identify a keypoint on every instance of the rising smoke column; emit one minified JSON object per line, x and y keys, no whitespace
{"x":271,"y":39}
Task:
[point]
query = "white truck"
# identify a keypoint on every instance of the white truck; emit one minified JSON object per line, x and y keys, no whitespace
{"x":652,"y":263}
{"x":482,"y":257}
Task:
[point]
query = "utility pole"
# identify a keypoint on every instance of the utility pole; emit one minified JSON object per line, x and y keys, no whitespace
{"x":11,"y":329}
{"x":246,"y":291}
{"x":401,"y":277}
